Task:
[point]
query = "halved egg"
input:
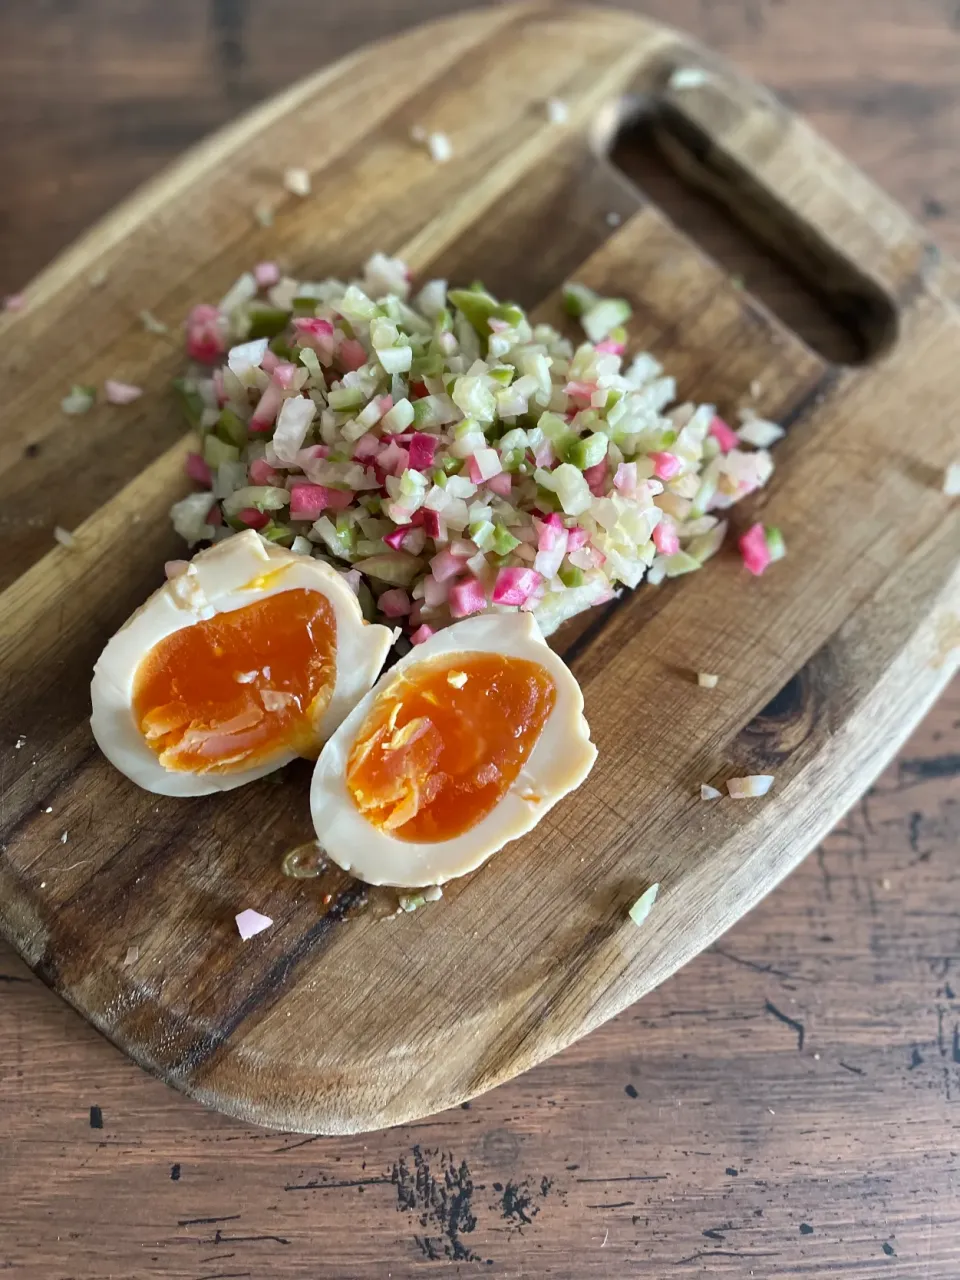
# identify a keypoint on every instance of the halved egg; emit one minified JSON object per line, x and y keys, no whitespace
{"x":246,"y":658}
{"x":461,"y":747}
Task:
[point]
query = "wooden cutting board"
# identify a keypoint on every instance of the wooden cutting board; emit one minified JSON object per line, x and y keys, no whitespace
{"x":343,"y":1017}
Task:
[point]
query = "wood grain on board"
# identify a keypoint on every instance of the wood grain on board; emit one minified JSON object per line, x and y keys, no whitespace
{"x":800,"y":719}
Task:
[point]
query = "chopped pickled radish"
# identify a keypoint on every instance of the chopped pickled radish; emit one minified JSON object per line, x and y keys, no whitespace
{"x":250,"y":923}
{"x":754,"y":550}
{"x":724,"y":435}
{"x":467,"y":597}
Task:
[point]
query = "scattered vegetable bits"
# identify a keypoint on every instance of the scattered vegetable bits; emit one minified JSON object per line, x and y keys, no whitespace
{"x":756,"y":784}
{"x":448,"y":454}
{"x":760,"y":547}
{"x":297,"y":181}
{"x":250,"y":923}
{"x":644,"y":904}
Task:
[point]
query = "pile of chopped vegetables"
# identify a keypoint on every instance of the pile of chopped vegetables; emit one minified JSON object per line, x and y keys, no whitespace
{"x":450,"y":456}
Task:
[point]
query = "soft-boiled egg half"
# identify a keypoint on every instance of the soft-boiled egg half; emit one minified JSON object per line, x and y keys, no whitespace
{"x":461,"y":747}
{"x":246,"y":658}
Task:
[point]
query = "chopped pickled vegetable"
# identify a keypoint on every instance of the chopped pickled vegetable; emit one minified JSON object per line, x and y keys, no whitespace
{"x":80,"y":400}
{"x":297,"y":181}
{"x":446,"y":450}
{"x":707,"y":681}
{"x":709,"y":793}
{"x":644,"y":904}
{"x":250,"y":923}
{"x":121,"y":392}
{"x":152,"y":324}
{"x":440,"y":147}
{"x":755,"y":784}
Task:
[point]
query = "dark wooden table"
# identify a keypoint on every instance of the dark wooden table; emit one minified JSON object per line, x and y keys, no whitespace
{"x":789,"y":1104}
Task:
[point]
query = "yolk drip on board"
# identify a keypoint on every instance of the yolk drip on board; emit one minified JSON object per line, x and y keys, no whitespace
{"x":228,"y":692}
{"x":445,"y":741}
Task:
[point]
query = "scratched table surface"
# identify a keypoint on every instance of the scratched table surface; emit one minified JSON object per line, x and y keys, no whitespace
{"x":787,"y":1105}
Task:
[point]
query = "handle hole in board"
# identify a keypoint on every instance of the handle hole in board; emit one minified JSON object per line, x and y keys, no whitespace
{"x":824,"y":299}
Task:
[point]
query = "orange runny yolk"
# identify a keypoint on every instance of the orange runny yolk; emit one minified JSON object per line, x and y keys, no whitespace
{"x":445,"y":741}
{"x":227,"y":693}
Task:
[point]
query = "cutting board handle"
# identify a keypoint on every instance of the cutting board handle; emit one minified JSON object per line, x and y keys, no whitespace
{"x":791,"y":188}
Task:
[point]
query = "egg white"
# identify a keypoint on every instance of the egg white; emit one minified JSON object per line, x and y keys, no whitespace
{"x":228,"y":576}
{"x":561,"y":759}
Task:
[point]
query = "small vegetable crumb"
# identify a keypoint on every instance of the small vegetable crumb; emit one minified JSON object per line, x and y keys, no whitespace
{"x":250,"y":923}
{"x":760,"y":547}
{"x":152,"y":324}
{"x":121,"y":392}
{"x":457,"y":678}
{"x":557,"y":111}
{"x":64,"y":837}
{"x":440,"y":147}
{"x":297,"y":181}
{"x":64,"y":537}
{"x":688,"y":78}
{"x":132,"y":956}
{"x":80,"y":400}
{"x":644,"y":904}
{"x":613,"y":219}
{"x":411,"y":902}
{"x":49,"y":808}
{"x":707,"y":681}
{"x":20,"y":742}
{"x":709,"y":793}
{"x":266,"y":274}
{"x":755,"y":430}
{"x":755,"y":784}
{"x":14,"y":302}
{"x":263,"y":214}
{"x":951,"y":480}
{"x":433,"y":894}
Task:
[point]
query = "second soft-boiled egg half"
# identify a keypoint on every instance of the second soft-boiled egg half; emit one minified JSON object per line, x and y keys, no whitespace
{"x":247,"y":657}
{"x":461,"y":747}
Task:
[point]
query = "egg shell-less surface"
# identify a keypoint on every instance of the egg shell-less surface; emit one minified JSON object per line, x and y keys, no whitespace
{"x":228,"y":576}
{"x":561,"y":758}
